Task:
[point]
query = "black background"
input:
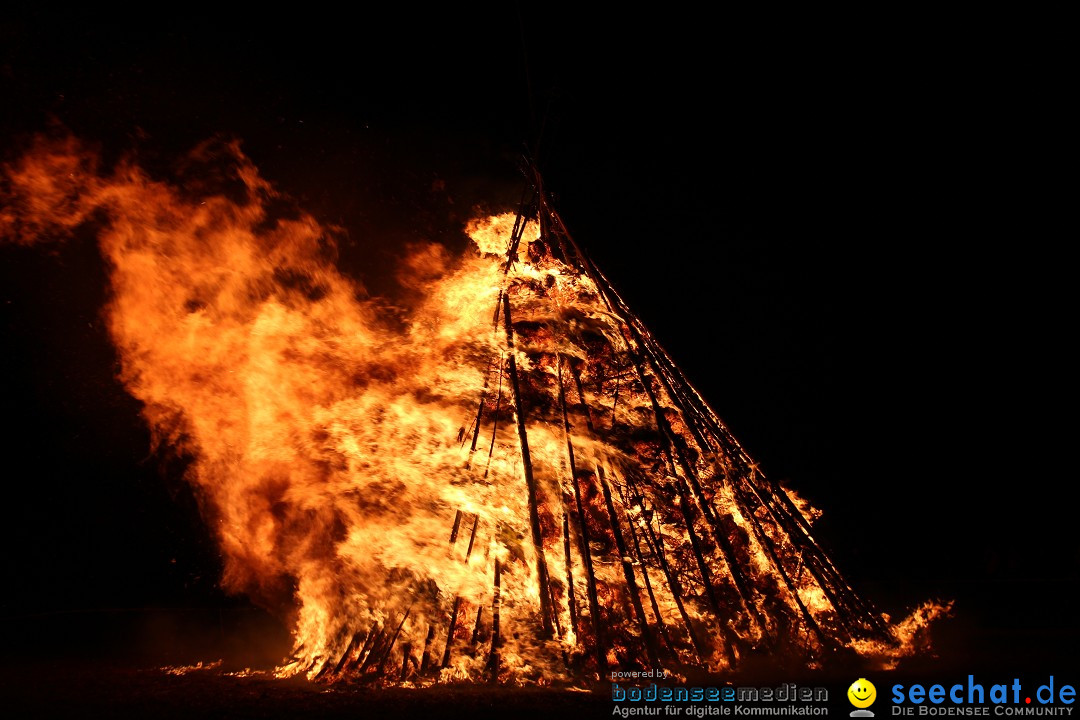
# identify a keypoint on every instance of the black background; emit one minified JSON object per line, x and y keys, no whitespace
{"x":847,"y":231}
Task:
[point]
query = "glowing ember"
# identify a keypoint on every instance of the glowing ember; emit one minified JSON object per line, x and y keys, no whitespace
{"x":516,"y":483}
{"x":188,"y":669}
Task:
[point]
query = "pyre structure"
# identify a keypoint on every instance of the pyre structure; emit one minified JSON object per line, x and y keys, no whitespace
{"x":600,"y":516}
{"x":652,"y":538}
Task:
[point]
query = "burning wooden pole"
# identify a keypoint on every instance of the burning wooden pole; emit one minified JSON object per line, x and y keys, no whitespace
{"x":690,"y":408}
{"x":450,"y":632}
{"x":628,"y":573}
{"x":385,"y":655}
{"x":838,"y":593}
{"x":480,"y":407}
{"x":640,"y":558}
{"x":675,"y":456}
{"x":846,"y":602}
{"x":406,"y":656}
{"x":496,"y":600}
{"x":583,"y":534}
{"x":368,"y":652}
{"x":571,"y":596}
{"x":454,"y":531}
{"x":494,"y":423}
{"x":457,"y":598}
{"x":425,"y":658}
{"x":352,"y":647}
{"x":477,"y":626}
{"x":655,"y":543}
{"x":472,"y":537}
{"x":576,"y":374}
{"x":706,"y":578}
{"x":530,"y":481}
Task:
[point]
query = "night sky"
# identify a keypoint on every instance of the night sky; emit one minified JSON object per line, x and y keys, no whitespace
{"x":851,"y":243}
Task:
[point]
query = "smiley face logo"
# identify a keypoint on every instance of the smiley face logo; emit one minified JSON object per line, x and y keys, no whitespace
{"x":862,"y":693}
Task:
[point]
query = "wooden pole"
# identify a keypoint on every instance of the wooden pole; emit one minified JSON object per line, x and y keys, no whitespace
{"x":583,"y":536}
{"x":628,"y":573}
{"x":570,"y":594}
{"x":530,"y":481}
{"x":493,"y":657}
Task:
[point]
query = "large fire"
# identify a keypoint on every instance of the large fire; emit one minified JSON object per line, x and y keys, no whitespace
{"x":512,"y":482}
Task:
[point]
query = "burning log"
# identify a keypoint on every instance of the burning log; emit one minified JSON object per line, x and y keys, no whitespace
{"x":406,"y":657}
{"x":496,"y":600}
{"x":571,"y":599}
{"x":583,"y":537}
{"x":472,"y":537}
{"x":494,"y":424}
{"x":656,"y":547}
{"x":476,"y":626}
{"x":457,"y":525}
{"x":450,"y":632}
{"x":385,"y":655}
{"x":640,"y":558}
{"x":628,"y":573}
{"x":582,"y":402}
{"x":480,"y":408}
{"x":457,"y":598}
{"x":425,"y":658}
{"x":369,"y":651}
{"x":530,"y":481}
{"x":348,"y":655}
{"x":674,"y":457}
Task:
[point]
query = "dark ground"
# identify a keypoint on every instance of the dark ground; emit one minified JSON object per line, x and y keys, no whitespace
{"x":113,"y":664}
{"x":132,"y":685}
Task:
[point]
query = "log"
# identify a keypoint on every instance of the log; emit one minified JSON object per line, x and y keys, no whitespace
{"x":450,"y":632}
{"x":393,"y":639}
{"x":425,"y":659}
{"x":476,"y":626}
{"x":405,"y":653}
{"x":345,"y":656}
{"x":493,"y":656}
{"x":454,"y":532}
{"x":583,"y":537}
{"x":648,"y":583}
{"x":628,"y":573}
{"x":571,"y":596}
{"x":472,"y":536}
{"x":656,"y":546}
{"x":530,"y":482}
{"x":367,"y":653}
{"x":495,"y":424}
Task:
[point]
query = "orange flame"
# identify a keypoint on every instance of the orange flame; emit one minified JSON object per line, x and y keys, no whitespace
{"x":410,"y":492}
